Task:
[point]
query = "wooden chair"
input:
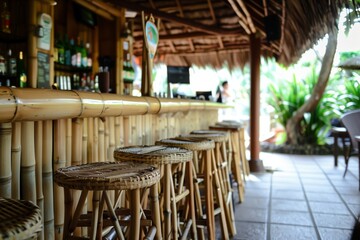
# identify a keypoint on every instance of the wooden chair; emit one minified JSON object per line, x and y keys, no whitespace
{"x":174,"y":164}
{"x":19,"y":219}
{"x":351,"y":121}
{"x":100,"y":178}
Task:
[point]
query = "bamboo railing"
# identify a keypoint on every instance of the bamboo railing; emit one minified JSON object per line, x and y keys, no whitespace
{"x":42,"y":130}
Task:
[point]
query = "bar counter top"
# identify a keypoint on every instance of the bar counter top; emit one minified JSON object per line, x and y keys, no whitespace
{"x":32,"y":104}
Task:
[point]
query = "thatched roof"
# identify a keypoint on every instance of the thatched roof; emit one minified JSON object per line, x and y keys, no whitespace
{"x":211,"y":32}
{"x":351,"y":63}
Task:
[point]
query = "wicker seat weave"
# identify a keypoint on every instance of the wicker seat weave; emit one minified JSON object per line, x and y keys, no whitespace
{"x":19,"y":219}
{"x":225,"y":128}
{"x":230,"y":123}
{"x":211,"y":132}
{"x":216,"y":137}
{"x":153,"y":154}
{"x":107,"y":176}
{"x":190,"y":143}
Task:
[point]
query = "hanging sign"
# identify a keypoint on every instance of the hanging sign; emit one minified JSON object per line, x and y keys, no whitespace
{"x":44,"y":35}
{"x":152,"y":38}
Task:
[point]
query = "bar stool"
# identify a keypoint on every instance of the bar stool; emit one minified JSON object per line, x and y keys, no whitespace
{"x":200,"y":146}
{"x":101,"y":177}
{"x":237,"y":126}
{"x":173,"y":161}
{"x":239,"y":164}
{"x":221,"y":169}
{"x":19,"y":219}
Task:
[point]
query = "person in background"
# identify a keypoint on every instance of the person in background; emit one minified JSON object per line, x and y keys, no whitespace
{"x":226,"y":95}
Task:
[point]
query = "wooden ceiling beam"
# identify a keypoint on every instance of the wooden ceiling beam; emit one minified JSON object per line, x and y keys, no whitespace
{"x":180,"y":36}
{"x":171,"y":17}
{"x":248,"y":17}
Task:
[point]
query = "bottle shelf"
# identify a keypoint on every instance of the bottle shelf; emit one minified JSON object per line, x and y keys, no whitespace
{"x":71,"y":69}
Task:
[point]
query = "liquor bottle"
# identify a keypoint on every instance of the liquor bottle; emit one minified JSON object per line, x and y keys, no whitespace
{"x":88,"y":53}
{"x":60,"y":51}
{"x":84,"y":57}
{"x":5,"y":18}
{"x":73,"y":53}
{"x":67,"y":51}
{"x":21,"y":71}
{"x":11,"y":64}
{"x":78,"y":53}
{"x":2,"y":64}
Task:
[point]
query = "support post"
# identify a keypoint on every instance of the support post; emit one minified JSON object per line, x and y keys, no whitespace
{"x":256,"y":165}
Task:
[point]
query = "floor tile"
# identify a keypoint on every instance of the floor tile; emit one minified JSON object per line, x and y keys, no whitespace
{"x":334,"y":234}
{"x":319,"y":189}
{"x":291,"y":218}
{"x":355,"y":209}
{"x":289,"y":205}
{"x":331,"y":208}
{"x":288,"y":194}
{"x":251,"y":214}
{"x":334,"y":221}
{"x":264,"y":193}
{"x":254,"y":202}
{"x":250,"y":231}
{"x":352,"y":199}
{"x":283,"y":232}
{"x":323,"y":197}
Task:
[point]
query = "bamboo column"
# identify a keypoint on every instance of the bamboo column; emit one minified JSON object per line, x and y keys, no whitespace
{"x":84,"y":147}
{"x":106,"y":138}
{"x":255,"y":163}
{"x":111,"y":147}
{"x":101,"y":132}
{"x":59,"y":162}
{"x":15,"y":159}
{"x":5,"y":160}
{"x":126,"y":131}
{"x":76,"y":151}
{"x":47,"y":174}
{"x":38,"y":169}
{"x":119,"y":141}
{"x":90,"y":144}
{"x":28,"y":182}
{"x":96,"y":144}
{"x":69,"y":143}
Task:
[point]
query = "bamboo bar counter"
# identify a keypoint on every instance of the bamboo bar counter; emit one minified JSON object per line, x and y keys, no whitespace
{"x":42,"y":130}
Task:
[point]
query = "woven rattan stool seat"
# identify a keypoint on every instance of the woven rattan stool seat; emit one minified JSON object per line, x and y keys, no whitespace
{"x":107,"y":176}
{"x":153,"y":154}
{"x":189,"y":142}
{"x":216,"y":137}
{"x":212,"y":132}
{"x":230,"y":123}
{"x":224,"y":127}
{"x":19,"y":219}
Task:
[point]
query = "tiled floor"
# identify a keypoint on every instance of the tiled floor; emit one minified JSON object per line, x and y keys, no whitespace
{"x":303,"y":197}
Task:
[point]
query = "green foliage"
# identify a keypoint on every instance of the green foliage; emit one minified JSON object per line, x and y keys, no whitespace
{"x":287,"y":97}
{"x":349,"y":98}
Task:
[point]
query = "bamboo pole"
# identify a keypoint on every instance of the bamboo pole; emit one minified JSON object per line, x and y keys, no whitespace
{"x":59,"y":162}
{"x":106,"y":139}
{"x":47,"y":174}
{"x":91,"y":141}
{"x":68,"y":142}
{"x":84,"y":154}
{"x":111,"y":147}
{"x":38,"y":170}
{"x":76,"y":151}
{"x":15,"y":159}
{"x":126,"y":131}
{"x":96,"y":145}
{"x":28,"y":104}
{"x":28,"y":183}
{"x":5,"y":160}
{"x":101,"y":132}
{"x":118,"y":136}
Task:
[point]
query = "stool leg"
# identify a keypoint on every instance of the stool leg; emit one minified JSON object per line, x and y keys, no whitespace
{"x":167,"y":201}
{"x":155,"y":210}
{"x":135,"y":214}
{"x":237,"y":167}
{"x":95,"y":215}
{"x":190,"y":186}
{"x":209,"y":196}
{"x":113,"y":216}
{"x":68,"y":208}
